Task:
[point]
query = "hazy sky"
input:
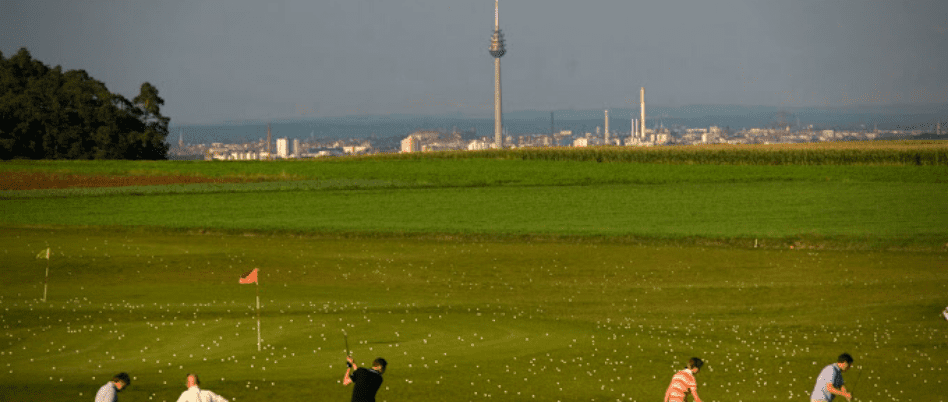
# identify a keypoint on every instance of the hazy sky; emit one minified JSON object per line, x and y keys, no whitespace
{"x":216,"y":61}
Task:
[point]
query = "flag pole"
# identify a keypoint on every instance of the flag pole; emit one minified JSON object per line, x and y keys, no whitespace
{"x":46,"y":282}
{"x":251,"y":277}
{"x":257,"y":283}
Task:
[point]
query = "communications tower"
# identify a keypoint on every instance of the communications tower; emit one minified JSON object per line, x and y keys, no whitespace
{"x":607,"y":128}
{"x":497,"y":50}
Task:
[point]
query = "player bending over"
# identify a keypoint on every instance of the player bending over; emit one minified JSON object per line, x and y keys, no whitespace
{"x":684,"y":382}
{"x":830,"y":382}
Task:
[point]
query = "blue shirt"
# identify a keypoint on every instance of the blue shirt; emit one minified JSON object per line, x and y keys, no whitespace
{"x":830,"y":374}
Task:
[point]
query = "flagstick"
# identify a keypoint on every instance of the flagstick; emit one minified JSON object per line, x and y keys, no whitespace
{"x":257,"y":283}
{"x":46,"y":282}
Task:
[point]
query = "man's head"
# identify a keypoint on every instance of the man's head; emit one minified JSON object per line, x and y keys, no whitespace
{"x":845,"y":361}
{"x":379,"y":365}
{"x":193,"y":380}
{"x":121,"y":381}
{"x":694,"y":364}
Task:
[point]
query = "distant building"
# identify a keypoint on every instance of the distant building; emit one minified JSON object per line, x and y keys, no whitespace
{"x":354,"y":149}
{"x":587,"y":142}
{"x":411,"y":144}
{"x":283,"y":148}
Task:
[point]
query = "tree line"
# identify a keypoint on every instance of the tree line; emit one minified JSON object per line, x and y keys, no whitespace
{"x":46,"y":113}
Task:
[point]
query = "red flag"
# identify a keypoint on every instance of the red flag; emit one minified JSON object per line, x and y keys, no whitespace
{"x":249,"y":277}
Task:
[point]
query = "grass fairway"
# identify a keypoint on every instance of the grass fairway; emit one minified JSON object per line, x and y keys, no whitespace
{"x":461,"y":320}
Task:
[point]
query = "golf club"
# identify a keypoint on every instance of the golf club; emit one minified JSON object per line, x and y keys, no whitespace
{"x":853,"y":389}
{"x":346,"y":337}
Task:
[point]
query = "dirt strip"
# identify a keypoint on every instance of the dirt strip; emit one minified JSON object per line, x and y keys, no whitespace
{"x":41,"y":180}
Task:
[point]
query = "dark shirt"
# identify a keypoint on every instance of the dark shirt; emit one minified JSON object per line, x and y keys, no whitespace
{"x":367,"y":383}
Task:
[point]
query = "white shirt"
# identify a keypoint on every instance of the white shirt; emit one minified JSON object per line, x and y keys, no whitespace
{"x":195,"y":394}
{"x":107,"y":393}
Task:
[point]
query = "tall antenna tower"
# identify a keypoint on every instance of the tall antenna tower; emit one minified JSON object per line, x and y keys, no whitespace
{"x":551,"y":125}
{"x":607,"y":128}
{"x":497,"y":50}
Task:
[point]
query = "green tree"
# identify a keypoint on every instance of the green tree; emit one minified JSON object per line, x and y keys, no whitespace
{"x":151,"y":142}
{"x":48,"y":114}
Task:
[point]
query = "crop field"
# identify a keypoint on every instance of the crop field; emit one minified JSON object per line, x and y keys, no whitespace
{"x":504,"y":278}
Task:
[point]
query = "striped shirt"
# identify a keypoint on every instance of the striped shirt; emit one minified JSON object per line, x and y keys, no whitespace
{"x":682,"y":383}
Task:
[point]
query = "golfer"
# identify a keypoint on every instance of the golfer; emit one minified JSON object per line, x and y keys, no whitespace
{"x":109,"y":391}
{"x":830,"y":382}
{"x":367,"y":381}
{"x":684,"y":382}
{"x":196,"y":394}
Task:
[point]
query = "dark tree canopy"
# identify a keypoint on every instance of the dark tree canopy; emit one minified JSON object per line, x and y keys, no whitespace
{"x":46,"y":113}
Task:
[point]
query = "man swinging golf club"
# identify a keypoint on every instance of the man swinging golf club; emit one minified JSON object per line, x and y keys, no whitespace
{"x":367,"y":381}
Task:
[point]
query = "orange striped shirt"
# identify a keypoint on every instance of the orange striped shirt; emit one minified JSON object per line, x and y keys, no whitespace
{"x":682,"y":383}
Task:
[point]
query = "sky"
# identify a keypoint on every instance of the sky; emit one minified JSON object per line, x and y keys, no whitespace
{"x":224,"y":61}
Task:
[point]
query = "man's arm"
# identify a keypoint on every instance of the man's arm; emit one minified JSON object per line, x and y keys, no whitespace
{"x":694,"y":393}
{"x":216,"y":398}
{"x":841,"y":391}
{"x":347,"y":379}
{"x":352,"y":368}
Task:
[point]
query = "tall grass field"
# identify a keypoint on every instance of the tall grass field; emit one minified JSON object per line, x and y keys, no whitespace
{"x":493,"y":277}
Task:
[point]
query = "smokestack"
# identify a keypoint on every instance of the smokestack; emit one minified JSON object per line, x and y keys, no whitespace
{"x":607,"y":127}
{"x":642,"y":119}
{"x":269,"y":143}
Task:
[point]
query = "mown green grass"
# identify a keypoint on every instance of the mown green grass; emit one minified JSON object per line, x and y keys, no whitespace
{"x":441,"y":170}
{"x":461,"y":320}
{"x":885,"y":212}
{"x":877,"y":206}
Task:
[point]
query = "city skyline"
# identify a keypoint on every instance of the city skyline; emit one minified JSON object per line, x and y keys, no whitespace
{"x":223,"y":61}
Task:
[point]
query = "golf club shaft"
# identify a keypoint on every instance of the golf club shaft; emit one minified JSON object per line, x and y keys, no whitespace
{"x":348,"y":354}
{"x":853,"y":389}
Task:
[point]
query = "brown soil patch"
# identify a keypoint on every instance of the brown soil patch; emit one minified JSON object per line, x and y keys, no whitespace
{"x":41,"y":180}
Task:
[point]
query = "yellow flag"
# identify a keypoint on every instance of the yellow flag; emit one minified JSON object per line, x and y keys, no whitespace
{"x":43,"y":254}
